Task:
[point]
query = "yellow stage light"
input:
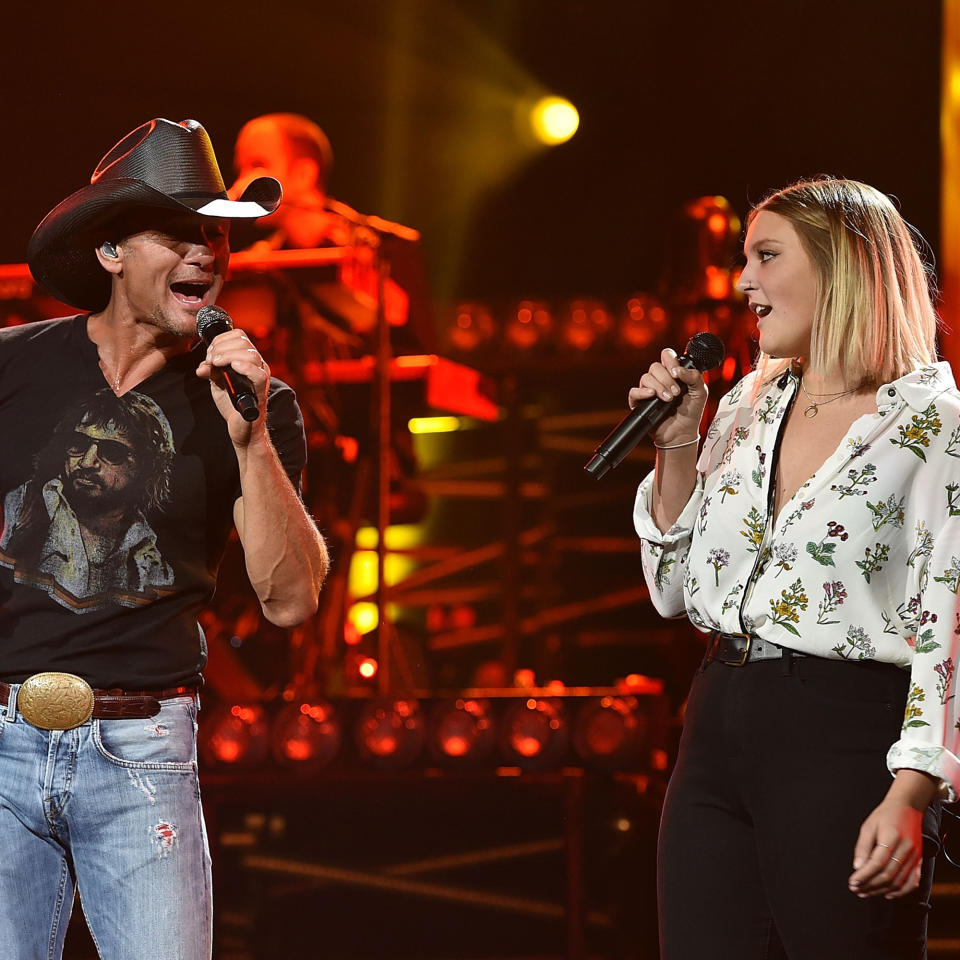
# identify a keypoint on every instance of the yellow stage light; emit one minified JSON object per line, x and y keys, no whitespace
{"x":400,"y":536}
{"x":554,"y":120}
{"x":364,"y":616}
{"x":434,"y":424}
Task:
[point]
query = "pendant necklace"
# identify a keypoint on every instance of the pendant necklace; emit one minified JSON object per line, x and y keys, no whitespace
{"x":811,"y":410}
{"x":116,"y":379}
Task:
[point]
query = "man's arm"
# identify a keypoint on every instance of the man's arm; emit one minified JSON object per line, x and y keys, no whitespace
{"x":285,"y":555}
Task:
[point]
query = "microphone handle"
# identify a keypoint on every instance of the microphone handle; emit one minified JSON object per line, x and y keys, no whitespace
{"x":645,"y":417}
{"x":239,"y":388}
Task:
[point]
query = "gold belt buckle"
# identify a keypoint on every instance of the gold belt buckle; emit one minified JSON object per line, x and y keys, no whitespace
{"x":55,"y":701}
{"x":746,"y":650}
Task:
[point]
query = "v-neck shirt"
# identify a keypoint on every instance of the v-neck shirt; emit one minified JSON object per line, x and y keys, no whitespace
{"x":128,"y":619}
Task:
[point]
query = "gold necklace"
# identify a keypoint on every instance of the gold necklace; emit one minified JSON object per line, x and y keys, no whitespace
{"x":811,"y":410}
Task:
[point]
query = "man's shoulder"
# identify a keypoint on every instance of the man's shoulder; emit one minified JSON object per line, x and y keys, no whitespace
{"x":38,"y":330}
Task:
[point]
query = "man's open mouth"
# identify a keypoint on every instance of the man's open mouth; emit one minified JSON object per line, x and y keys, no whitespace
{"x":191,"y":293}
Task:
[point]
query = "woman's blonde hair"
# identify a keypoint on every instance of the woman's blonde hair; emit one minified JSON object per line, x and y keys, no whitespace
{"x":874,"y":318}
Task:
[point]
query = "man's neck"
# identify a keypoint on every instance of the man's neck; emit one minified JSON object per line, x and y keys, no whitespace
{"x":131,"y":350}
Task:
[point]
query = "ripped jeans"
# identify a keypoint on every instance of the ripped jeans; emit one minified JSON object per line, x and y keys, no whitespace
{"x":111,"y":808}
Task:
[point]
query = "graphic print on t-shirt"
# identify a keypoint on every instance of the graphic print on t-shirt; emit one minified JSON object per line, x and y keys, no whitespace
{"x":79,"y":528}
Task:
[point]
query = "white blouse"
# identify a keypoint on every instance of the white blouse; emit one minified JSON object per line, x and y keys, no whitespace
{"x":862,"y":563}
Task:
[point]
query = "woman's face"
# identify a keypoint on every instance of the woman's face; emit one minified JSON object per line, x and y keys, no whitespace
{"x":780,"y":282}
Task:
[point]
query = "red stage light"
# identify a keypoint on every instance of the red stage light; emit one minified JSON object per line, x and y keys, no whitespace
{"x":529,"y":325}
{"x":533,"y":733}
{"x":611,"y":733}
{"x":237,"y":734}
{"x":367,"y":668}
{"x":524,"y":679}
{"x":643,"y":321}
{"x":390,"y":733}
{"x":461,"y":731}
{"x":306,"y":734}
{"x":585,"y":324}
{"x":470,"y":328}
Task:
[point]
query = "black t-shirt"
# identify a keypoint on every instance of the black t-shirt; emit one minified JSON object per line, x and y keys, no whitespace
{"x":115,"y":511}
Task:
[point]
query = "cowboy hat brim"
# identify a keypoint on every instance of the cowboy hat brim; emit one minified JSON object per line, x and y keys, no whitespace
{"x":61,"y":252}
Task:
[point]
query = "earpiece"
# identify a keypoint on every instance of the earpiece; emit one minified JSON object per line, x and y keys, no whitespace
{"x":109,"y":249}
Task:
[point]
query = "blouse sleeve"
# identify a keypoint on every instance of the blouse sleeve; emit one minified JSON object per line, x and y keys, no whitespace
{"x":930,"y":736}
{"x":664,"y":555}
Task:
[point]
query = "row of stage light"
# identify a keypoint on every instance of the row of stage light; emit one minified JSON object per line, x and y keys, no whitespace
{"x":533,"y":730}
{"x":577,"y":326}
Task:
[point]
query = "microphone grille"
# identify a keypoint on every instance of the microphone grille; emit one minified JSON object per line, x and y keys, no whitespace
{"x":208,"y":316}
{"x":705,"y":350}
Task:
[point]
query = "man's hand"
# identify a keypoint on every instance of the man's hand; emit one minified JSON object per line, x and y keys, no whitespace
{"x":234,"y":350}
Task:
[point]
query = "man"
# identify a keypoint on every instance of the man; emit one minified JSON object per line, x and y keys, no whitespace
{"x":78,"y":528}
{"x":99,"y":668}
{"x":295,"y":151}
{"x":292,"y":149}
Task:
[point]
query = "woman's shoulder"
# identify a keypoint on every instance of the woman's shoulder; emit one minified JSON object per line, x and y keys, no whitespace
{"x":751,"y":388}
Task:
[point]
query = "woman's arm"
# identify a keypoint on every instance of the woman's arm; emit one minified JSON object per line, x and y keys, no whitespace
{"x":676,"y":438}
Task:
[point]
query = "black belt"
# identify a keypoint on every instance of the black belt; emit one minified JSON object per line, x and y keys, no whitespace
{"x":739,"y":649}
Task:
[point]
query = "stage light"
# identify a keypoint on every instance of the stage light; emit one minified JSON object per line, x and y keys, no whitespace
{"x":364,"y":616}
{"x":236,"y":734}
{"x":306,"y":734}
{"x":389,"y":733}
{"x":643,"y":322}
{"x":554,"y":120}
{"x":533,"y":733}
{"x":585,"y":324}
{"x":359,"y":668}
{"x":462,"y":731}
{"x":434,"y":424}
{"x":529,"y":325}
{"x":611,"y":733}
{"x":469,"y":327}
{"x":524,"y":678}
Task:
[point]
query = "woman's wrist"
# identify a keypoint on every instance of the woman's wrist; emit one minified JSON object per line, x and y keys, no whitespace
{"x":914,"y":788}
{"x":676,"y":445}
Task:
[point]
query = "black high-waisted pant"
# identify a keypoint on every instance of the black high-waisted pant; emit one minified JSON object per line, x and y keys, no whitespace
{"x":780,"y":763}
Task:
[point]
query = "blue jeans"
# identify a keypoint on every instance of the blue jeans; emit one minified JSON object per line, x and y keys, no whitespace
{"x":111,"y":808}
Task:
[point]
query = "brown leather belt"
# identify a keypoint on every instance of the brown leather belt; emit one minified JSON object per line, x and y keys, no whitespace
{"x":61,"y":701}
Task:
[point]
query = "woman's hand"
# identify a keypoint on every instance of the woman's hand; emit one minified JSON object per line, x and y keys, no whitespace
{"x":662,"y":380}
{"x":889,"y":850}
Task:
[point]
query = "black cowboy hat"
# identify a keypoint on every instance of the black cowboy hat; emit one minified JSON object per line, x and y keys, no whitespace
{"x":160,"y":165}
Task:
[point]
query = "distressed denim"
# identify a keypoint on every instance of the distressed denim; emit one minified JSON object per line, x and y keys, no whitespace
{"x":111,"y":808}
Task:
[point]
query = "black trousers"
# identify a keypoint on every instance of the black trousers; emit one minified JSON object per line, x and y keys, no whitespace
{"x":779,"y":764}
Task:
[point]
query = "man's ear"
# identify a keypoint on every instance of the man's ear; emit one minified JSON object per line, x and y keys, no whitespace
{"x":110,"y":256}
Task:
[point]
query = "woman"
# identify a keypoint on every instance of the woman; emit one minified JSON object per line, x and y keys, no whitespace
{"x":817,"y":538}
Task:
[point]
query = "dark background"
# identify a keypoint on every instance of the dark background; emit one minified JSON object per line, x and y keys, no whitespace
{"x":420,"y":97}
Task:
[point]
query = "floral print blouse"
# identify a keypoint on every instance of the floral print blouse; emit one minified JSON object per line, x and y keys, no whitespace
{"x":862,"y":563}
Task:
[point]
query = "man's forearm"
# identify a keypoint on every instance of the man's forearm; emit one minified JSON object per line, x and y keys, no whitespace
{"x":285,"y":555}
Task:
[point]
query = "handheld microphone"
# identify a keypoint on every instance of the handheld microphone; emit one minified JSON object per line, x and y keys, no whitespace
{"x":704,"y":352}
{"x":211,"y":322}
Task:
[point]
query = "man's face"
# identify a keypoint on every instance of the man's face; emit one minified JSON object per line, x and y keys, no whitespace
{"x":172,"y":269}
{"x":101,"y":469}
